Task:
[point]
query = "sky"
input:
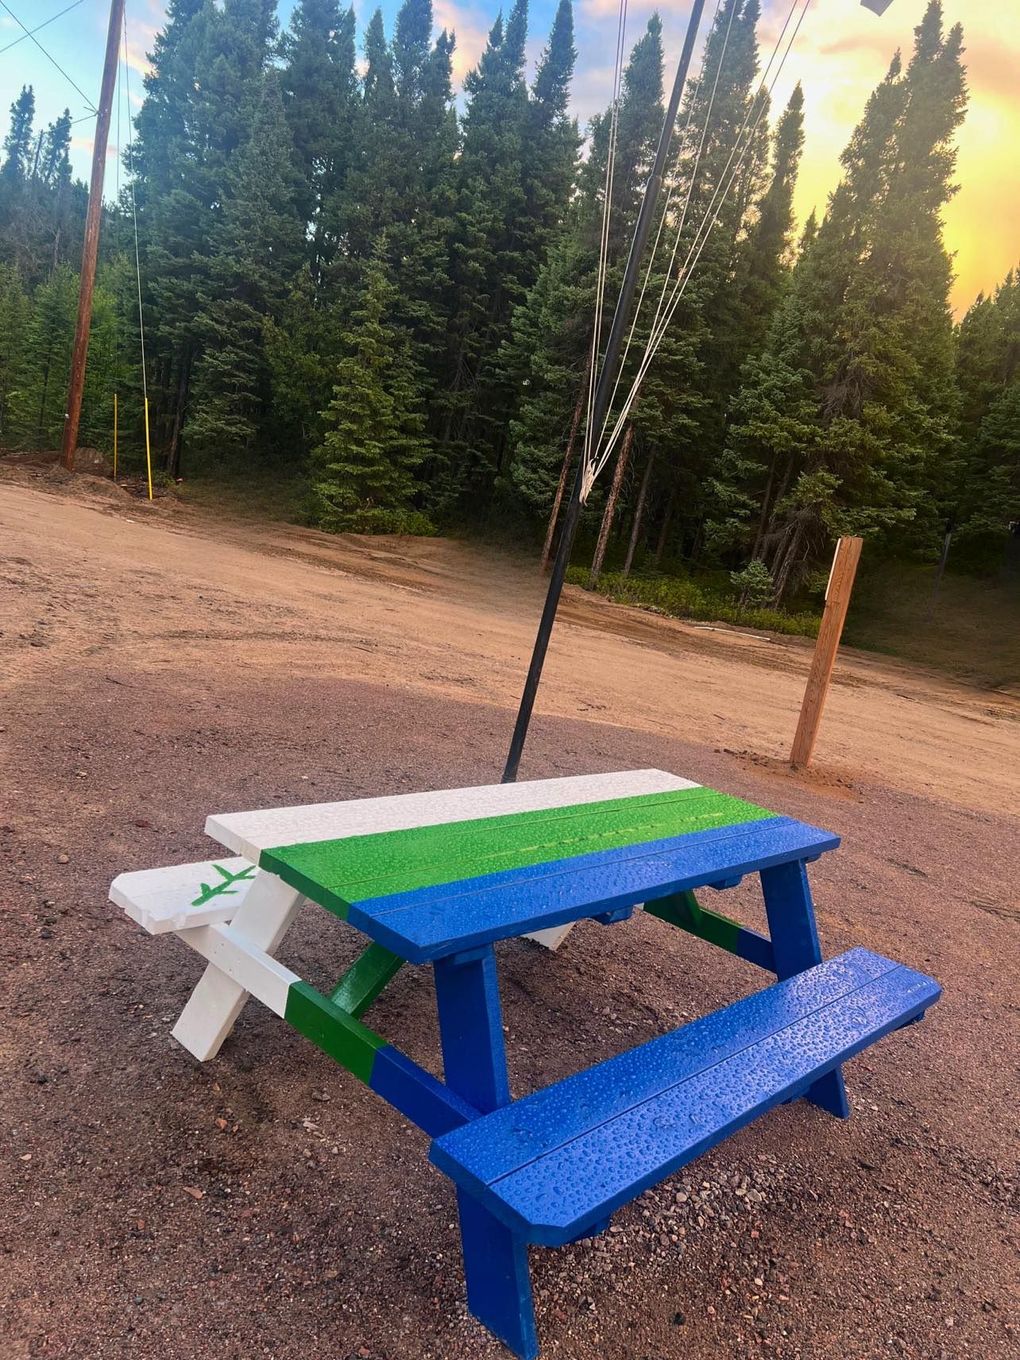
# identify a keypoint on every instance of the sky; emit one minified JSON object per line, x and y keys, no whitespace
{"x":841,"y":53}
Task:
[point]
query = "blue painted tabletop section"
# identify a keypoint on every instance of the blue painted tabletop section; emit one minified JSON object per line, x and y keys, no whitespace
{"x":560,"y":1161}
{"x":429,"y":923}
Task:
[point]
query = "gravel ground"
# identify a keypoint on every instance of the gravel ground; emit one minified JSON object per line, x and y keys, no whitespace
{"x":265,"y":1204}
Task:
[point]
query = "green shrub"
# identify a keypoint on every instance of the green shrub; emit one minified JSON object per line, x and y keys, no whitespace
{"x":754,"y":584}
{"x":683,"y":598}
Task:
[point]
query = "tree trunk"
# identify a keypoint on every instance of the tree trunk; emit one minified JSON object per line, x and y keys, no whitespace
{"x":667,"y":524}
{"x":568,"y":458}
{"x":173,"y":459}
{"x":40,"y":423}
{"x":782,"y":575}
{"x":639,"y":514}
{"x":765,"y":500}
{"x":607,"y":515}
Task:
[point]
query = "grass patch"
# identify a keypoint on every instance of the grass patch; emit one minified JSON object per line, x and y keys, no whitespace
{"x":258,"y":493}
{"x":973,"y":631}
{"x":686,"y":598}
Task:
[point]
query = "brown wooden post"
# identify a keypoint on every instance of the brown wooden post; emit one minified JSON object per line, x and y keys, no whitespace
{"x":837,"y":602}
{"x":93,"y":220}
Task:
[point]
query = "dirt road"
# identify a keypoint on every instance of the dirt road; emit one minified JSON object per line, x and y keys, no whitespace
{"x":159,"y":663}
{"x":153,"y":587}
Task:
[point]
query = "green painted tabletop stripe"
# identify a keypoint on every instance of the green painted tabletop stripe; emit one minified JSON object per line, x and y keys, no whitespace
{"x":339,"y":872}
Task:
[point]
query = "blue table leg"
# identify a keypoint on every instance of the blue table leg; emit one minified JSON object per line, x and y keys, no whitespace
{"x":474,"y":1064}
{"x":795,"y":946}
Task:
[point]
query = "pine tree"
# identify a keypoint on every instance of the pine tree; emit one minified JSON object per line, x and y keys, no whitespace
{"x":55,"y":161}
{"x":101,"y":373}
{"x":546,"y":359}
{"x":765,"y":255}
{"x":984,"y":495}
{"x":319,"y":89}
{"x":484,"y":264}
{"x":717,"y":181}
{"x":552,"y":137}
{"x":39,"y":401}
{"x":888,"y":404}
{"x":363,"y":472}
{"x":19,"y":143}
{"x":256,"y":257}
{"x":42,"y":212}
{"x":14,"y":317}
{"x":997,"y":454}
{"x":512,"y":140}
{"x":849,"y":413}
{"x":205,"y":81}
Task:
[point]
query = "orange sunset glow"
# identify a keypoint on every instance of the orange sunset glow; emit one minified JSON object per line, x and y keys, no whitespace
{"x":843,"y":51}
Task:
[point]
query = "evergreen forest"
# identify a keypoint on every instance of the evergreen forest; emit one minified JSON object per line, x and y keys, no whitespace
{"x":355,"y":278}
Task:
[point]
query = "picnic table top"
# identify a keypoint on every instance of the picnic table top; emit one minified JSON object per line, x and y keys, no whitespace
{"x":430,"y":874}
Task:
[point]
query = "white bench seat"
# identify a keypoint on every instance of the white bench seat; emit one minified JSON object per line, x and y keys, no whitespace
{"x":181,"y":896}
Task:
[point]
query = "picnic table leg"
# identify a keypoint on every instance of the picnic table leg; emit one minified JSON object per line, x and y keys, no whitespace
{"x":795,"y":946}
{"x":474,"y":1064}
{"x":269,"y":907}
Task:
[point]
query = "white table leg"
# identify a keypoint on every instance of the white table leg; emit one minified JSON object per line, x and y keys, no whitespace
{"x":269,"y":907}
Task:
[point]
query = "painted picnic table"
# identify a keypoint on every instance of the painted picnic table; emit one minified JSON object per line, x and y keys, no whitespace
{"x":438,"y":878}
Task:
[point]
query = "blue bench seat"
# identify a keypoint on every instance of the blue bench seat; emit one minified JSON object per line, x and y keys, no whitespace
{"x":555,"y":1165}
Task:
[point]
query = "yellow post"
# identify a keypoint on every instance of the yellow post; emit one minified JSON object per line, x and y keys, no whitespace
{"x":837,"y":602}
{"x":115,"y":436}
{"x":148,"y":448}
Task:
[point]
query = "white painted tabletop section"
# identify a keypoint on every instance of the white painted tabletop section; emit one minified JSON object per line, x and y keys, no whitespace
{"x":249,"y":833}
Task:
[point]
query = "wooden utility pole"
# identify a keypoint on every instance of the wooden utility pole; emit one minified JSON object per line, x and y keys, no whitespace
{"x":93,"y":220}
{"x":837,"y":602}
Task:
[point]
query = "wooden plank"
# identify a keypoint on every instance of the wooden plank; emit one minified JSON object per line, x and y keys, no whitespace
{"x":559,"y":1113}
{"x":183,"y":895}
{"x":567,"y":1157}
{"x":365,"y":980}
{"x":249,"y":833}
{"x":262,"y":919}
{"x":685,"y":912}
{"x":251,"y":968}
{"x":837,"y":602}
{"x":361,"y":867}
{"x":587,"y":1181}
{"x":425,"y":925}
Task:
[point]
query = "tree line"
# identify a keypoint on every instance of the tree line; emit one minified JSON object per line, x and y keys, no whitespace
{"x":351,"y":276}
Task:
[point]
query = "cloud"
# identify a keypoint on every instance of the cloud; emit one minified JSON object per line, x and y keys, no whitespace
{"x":841,"y":53}
{"x":141,"y":33}
{"x":471,"y":24}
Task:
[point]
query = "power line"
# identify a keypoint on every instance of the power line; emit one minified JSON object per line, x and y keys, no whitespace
{"x":663,"y":316}
{"x":39,"y":27}
{"x":49,"y":58}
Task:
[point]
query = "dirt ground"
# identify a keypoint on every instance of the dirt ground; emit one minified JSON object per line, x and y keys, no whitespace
{"x":159,"y":663}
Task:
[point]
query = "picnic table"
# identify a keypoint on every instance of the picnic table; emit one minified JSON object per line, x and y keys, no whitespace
{"x":438,"y":878}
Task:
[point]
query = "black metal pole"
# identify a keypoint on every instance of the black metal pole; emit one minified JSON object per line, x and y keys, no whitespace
{"x":607,"y":376}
